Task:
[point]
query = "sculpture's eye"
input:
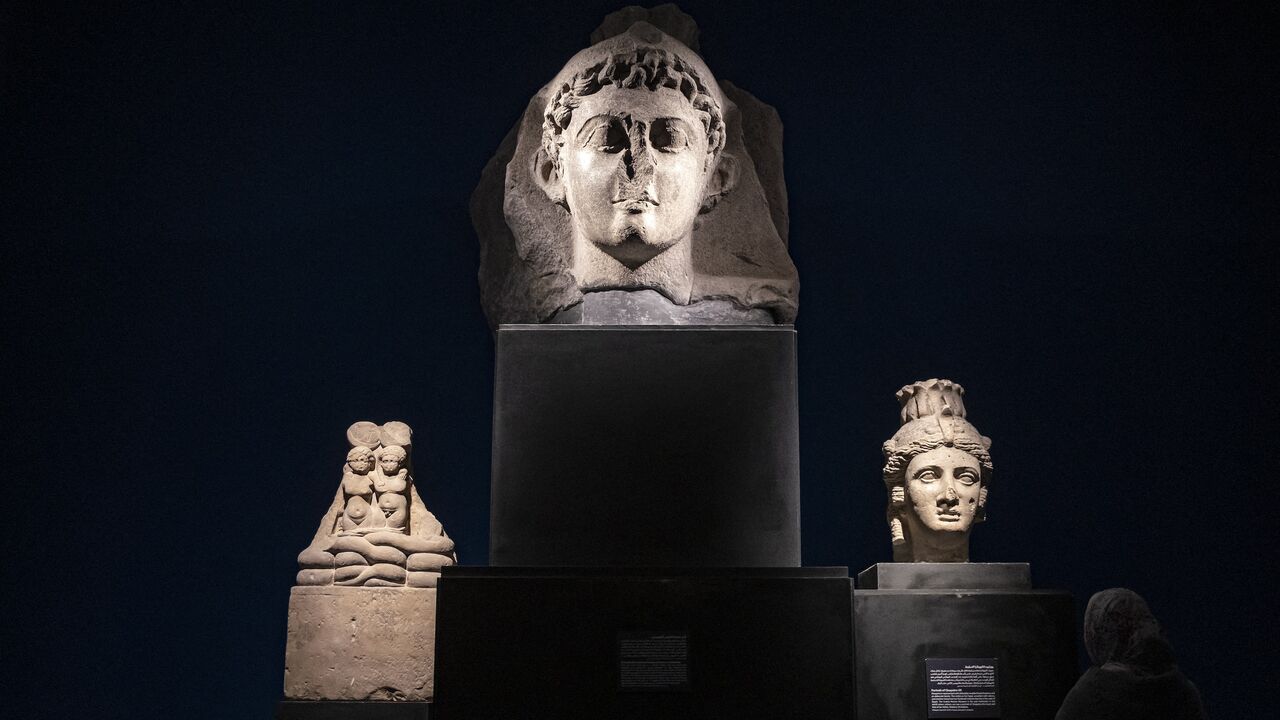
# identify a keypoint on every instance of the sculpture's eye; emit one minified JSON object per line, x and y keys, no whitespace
{"x":927,"y":475}
{"x":668,"y":135}
{"x":968,"y":477}
{"x":606,"y":136}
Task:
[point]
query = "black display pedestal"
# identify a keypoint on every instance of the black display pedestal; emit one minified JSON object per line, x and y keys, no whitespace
{"x":352,"y":710}
{"x":645,"y":446}
{"x":644,"y":643}
{"x":1030,"y":633}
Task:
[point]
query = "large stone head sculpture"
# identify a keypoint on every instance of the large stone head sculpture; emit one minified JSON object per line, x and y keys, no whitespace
{"x":634,"y":173}
{"x":937,"y":470}
{"x":633,"y":150}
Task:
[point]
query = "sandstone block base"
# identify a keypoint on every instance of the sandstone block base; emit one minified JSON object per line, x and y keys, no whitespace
{"x":360,"y":643}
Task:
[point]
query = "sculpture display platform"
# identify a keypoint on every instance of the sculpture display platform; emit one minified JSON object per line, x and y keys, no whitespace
{"x":360,"y":643}
{"x":943,"y":576}
{"x":1028,"y":633}
{"x":645,"y":446}
{"x":624,"y":643}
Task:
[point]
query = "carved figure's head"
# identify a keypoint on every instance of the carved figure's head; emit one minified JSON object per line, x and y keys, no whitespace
{"x":360,"y":460}
{"x":392,"y":459}
{"x":937,"y":470}
{"x":632,"y":148}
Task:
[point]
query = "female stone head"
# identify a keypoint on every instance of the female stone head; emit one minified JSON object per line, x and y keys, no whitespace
{"x":937,"y":470}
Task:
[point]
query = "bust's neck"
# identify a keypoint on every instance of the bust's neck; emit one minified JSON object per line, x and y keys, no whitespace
{"x":930,"y":546}
{"x":940,"y":555}
{"x":669,"y":272}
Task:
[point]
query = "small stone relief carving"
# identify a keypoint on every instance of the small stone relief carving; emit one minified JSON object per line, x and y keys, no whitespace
{"x":377,"y":531}
{"x":633,"y":170}
{"x":937,"y":471}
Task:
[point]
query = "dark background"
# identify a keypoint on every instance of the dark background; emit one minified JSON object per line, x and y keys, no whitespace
{"x":232,"y":231}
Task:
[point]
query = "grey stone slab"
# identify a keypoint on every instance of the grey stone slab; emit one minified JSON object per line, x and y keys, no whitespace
{"x":645,"y":446}
{"x":941,"y":576}
{"x":649,"y":307}
{"x":547,"y":643}
{"x":1030,"y":633}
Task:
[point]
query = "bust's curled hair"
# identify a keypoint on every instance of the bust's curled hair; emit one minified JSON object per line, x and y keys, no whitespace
{"x":649,"y":68}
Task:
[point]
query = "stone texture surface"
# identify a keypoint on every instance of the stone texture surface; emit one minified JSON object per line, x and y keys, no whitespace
{"x":648,"y":307}
{"x":352,"y":710}
{"x":937,"y":472}
{"x":668,"y":16}
{"x":377,"y":522}
{"x":538,"y":253}
{"x":360,"y":643}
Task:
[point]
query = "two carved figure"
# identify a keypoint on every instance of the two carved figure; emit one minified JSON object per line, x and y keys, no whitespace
{"x":377,"y":531}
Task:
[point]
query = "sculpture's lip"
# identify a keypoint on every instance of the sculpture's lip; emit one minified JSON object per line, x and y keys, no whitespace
{"x":949,"y":517}
{"x":636,"y":205}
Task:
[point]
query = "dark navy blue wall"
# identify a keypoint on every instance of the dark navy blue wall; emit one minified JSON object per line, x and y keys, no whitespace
{"x":234,"y":231}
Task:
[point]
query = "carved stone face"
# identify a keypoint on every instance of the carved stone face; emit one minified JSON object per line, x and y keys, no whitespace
{"x":360,"y":464}
{"x":634,"y":166}
{"x":389,"y":463}
{"x":943,"y":487}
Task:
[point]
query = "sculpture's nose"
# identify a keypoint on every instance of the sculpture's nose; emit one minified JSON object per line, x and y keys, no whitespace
{"x":949,"y":496}
{"x":637,"y":159}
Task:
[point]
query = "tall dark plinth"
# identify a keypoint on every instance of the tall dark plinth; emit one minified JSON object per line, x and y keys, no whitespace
{"x":659,"y":446}
{"x":905,"y":614}
{"x":624,"y":643}
{"x":645,"y":537}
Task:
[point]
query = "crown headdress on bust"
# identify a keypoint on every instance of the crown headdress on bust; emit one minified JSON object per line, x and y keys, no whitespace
{"x":933,"y":412}
{"x":941,"y":399}
{"x":932,"y":415}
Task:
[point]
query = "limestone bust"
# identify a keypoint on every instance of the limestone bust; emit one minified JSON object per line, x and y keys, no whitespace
{"x":632,"y":149}
{"x":937,"y":471}
{"x":636,"y":181}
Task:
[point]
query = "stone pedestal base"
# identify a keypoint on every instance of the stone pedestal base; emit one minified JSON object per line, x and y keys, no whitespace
{"x":632,"y":643}
{"x":946,"y":576}
{"x":360,"y":643}
{"x":1030,"y":633}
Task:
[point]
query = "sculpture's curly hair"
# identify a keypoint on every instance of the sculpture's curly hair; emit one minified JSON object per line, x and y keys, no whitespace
{"x":897,"y":458}
{"x":394,"y":450}
{"x":647,"y":67}
{"x":359,"y":452}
